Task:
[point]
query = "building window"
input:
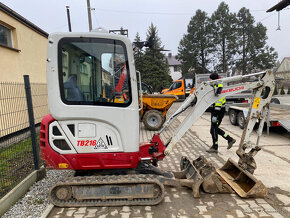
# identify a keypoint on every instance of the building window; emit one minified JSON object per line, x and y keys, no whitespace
{"x":176,"y":68}
{"x":5,"y":36}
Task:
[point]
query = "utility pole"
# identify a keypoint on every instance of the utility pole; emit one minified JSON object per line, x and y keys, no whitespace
{"x":89,"y":15}
{"x":68,"y":18}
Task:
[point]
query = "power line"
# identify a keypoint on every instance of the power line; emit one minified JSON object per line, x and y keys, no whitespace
{"x":159,"y":13}
{"x":141,"y":12}
{"x":97,"y":21}
{"x":261,"y":10}
{"x":266,"y":18}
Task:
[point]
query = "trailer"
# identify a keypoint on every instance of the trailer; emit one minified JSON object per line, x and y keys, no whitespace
{"x":279,"y":115}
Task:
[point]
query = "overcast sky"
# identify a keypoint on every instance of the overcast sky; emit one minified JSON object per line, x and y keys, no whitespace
{"x":170,"y":16}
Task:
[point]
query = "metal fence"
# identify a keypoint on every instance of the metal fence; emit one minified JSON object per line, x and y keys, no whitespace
{"x":16,"y":153}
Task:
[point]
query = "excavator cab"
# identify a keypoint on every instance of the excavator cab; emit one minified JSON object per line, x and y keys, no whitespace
{"x":89,"y":126}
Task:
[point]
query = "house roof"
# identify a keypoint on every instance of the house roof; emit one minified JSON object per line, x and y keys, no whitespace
{"x":172,"y":61}
{"x":22,"y":20}
{"x":284,"y":66}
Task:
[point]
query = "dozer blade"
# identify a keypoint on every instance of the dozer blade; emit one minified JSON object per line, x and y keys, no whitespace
{"x":244,"y":183}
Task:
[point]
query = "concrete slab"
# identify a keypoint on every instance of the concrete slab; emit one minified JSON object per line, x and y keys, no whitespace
{"x":285,"y":199}
{"x":281,"y":151}
{"x":47,"y":211}
{"x":284,"y":99}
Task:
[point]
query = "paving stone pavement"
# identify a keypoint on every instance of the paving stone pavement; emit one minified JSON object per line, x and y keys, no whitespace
{"x":180,"y":202}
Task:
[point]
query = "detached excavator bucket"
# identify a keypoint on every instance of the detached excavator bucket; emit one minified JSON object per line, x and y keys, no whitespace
{"x":244,"y":183}
{"x":200,"y":173}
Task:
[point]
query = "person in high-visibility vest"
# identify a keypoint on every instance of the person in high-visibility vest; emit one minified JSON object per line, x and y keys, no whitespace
{"x":217,"y":115}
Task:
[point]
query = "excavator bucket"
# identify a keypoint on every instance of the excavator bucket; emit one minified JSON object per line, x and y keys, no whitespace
{"x":241,"y":181}
{"x":200,"y":173}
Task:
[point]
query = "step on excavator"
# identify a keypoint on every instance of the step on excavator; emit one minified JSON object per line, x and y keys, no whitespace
{"x":98,"y":137}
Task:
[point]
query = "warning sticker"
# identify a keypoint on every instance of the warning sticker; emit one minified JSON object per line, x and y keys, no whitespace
{"x":256,"y":103}
{"x":101,"y":144}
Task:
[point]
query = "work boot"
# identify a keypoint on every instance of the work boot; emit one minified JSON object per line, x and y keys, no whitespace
{"x":231,"y":142}
{"x":212,"y":150}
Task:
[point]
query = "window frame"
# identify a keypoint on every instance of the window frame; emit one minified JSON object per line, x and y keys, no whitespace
{"x":60,"y":69}
{"x":11,"y":36}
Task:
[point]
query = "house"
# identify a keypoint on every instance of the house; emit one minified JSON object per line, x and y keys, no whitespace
{"x":282,"y":74}
{"x":174,"y":66}
{"x":22,"y":48}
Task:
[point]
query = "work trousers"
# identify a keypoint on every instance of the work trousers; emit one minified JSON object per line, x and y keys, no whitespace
{"x":214,"y":129}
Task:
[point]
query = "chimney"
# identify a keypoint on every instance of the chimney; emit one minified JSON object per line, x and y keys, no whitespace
{"x":169,"y":55}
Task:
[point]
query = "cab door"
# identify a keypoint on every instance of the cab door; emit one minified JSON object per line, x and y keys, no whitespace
{"x":92,"y":93}
{"x":178,"y":89}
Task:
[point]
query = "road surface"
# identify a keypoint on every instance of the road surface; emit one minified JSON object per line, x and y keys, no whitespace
{"x":273,"y":169}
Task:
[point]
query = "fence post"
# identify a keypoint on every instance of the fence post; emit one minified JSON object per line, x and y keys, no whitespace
{"x":31,"y":121}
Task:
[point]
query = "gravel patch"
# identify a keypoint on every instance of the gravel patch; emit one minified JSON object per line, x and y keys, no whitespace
{"x":35,"y":201}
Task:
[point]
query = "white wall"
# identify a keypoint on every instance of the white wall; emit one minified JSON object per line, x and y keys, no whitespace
{"x":174,"y":75}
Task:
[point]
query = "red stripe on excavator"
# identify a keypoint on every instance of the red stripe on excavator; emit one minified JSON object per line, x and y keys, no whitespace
{"x":96,"y":160}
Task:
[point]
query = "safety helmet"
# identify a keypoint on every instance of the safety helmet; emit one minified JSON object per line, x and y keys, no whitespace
{"x":214,"y":76}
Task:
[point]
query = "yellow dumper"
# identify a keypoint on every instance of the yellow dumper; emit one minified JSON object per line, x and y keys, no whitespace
{"x":155,"y":107}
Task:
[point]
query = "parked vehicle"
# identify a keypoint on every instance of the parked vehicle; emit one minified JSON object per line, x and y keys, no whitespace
{"x":155,"y":107}
{"x":184,"y":87}
{"x":279,"y":114}
{"x":180,"y":88}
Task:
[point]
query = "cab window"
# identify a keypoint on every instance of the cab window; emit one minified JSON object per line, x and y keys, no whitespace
{"x":146,"y":89}
{"x":94,"y":72}
{"x":176,"y":85}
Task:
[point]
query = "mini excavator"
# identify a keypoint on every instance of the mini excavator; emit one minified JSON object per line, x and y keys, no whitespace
{"x":90,"y":132}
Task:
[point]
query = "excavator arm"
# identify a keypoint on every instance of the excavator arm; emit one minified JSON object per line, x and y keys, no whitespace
{"x":231,"y":176}
{"x":204,"y":96}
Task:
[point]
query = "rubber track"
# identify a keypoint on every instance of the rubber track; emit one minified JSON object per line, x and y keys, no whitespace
{"x":107,"y":180}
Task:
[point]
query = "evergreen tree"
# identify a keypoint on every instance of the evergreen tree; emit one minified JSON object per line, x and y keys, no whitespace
{"x":282,"y":92}
{"x":224,"y":39}
{"x":245,"y":30}
{"x":155,"y":69}
{"x":263,"y":92}
{"x":195,"y":46}
{"x":253,"y":53}
{"x":263,"y":56}
{"x":275,"y":90}
{"x":138,"y":54}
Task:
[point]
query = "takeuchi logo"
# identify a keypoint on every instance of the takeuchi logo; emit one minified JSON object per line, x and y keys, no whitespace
{"x":233,"y":90}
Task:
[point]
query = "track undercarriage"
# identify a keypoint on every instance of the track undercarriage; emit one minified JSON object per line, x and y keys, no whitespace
{"x":145,"y":184}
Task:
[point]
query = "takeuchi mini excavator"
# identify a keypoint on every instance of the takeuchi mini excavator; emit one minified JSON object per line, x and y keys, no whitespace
{"x":89,"y":131}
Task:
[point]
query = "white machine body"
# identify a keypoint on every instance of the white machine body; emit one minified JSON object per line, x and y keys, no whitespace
{"x":92,"y":89}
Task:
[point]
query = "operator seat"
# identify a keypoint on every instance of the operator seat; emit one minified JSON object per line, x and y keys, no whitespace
{"x":73,"y":91}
